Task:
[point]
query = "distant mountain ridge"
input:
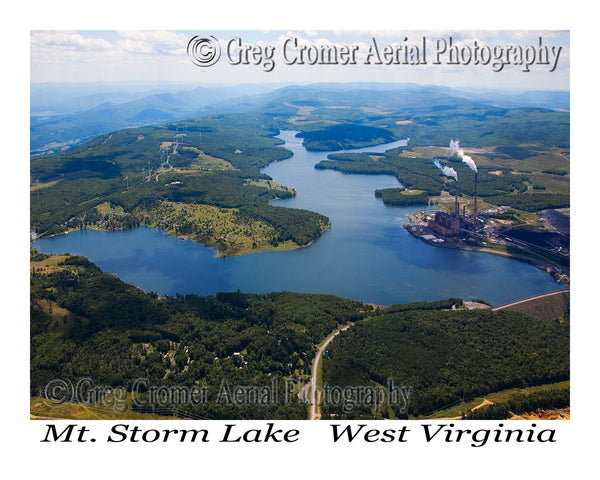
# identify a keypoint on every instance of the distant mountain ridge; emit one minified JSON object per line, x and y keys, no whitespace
{"x":105,"y":112}
{"x":51,"y":133}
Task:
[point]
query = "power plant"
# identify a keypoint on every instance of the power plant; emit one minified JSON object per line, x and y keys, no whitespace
{"x":451,"y":224}
{"x":490,"y":230}
{"x":439,"y":226}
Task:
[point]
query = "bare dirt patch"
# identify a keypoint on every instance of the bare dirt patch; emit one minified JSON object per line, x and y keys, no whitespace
{"x":482,"y":404}
{"x":475,"y":306}
{"x":539,"y":414}
{"x":38,"y":186}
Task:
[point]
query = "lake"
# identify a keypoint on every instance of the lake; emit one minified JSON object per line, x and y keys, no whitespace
{"x":366,"y":255}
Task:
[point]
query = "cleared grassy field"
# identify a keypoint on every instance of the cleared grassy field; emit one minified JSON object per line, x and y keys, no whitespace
{"x":551,"y":183}
{"x":424,"y":152}
{"x":107,"y":409}
{"x":208,"y":162}
{"x":48,"y":265}
{"x":62,"y":319}
{"x":220,"y":228}
{"x":269,"y":184}
{"x":456,"y":411}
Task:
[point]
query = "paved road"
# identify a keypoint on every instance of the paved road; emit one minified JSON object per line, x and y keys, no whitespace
{"x":501,"y":307}
{"x":313,"y":380}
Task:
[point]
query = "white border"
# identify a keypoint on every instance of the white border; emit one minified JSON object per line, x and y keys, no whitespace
{"x":315,"y":456}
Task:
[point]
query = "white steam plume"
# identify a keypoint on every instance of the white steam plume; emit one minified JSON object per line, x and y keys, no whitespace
{"x":448,"y":171}
{"x":456,"y":150}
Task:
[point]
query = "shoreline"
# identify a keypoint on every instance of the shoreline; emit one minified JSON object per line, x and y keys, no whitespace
{"x":541,"y":264}
{"x":187,"y":239}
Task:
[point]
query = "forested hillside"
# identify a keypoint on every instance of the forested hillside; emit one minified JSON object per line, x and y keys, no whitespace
{"x":89,"y":324}
{"x":447,"y":356}
{"x":125,"y":179}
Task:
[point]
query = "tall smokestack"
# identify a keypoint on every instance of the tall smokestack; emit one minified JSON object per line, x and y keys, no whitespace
{"x":456,"y":211}
{"x":475,"y":204}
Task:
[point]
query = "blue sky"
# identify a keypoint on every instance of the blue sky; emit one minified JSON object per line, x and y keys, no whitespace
{"x":160,"y":56}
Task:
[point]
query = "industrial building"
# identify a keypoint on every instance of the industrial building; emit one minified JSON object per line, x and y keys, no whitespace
{"x":445,"y":224}
{"x":449,"y":226}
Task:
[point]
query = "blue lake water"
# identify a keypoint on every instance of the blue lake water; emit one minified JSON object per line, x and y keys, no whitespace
{"x":366,"y":255}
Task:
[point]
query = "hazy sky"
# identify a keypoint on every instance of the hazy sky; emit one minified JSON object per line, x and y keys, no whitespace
{"x":161,"y":56}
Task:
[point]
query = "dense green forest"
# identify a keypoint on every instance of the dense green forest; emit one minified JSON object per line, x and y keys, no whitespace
{"x":345,"y":136}
{"x":399,"y":197}
{"x":496,"y":184}
{"x":421,"y":173}
{"x":86,"y":323}
{"x":214,"y":161}
{"x":302,"y":227}
{"x":448,"y":356}
{"x":194,"y":177}
{"x":494,"y":126}
{"x":532,"y":202}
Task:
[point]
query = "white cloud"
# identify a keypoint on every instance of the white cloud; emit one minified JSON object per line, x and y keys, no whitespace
{"x":159,"y":42}
{"x":67,"y":40}
{"x":133,"y":46}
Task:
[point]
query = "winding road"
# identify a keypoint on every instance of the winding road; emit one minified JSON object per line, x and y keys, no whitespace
{"x":315,"y":413}
{"x":313,"y":380}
